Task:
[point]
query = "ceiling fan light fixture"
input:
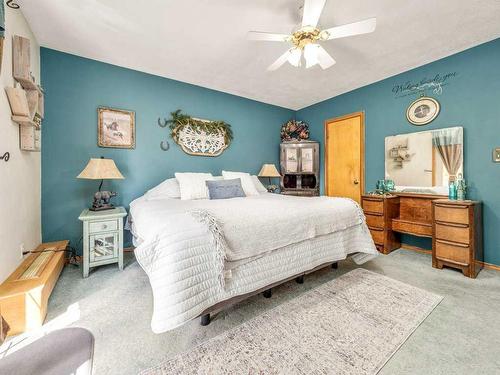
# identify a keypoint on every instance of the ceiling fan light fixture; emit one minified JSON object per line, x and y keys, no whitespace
{"x":294,"y":55}
{"x":311,"y":54}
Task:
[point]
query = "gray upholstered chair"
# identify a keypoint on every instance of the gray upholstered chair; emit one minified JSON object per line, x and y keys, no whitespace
{"x":62,"y":352}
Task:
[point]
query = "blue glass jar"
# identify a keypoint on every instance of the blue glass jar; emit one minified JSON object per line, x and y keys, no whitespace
{"x":452,"y":191}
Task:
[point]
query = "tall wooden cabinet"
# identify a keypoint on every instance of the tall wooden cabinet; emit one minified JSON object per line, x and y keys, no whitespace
{"x":299,"y":164}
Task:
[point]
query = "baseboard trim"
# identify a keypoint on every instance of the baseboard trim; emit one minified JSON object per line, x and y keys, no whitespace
{"x":485,"y":265}
{"x":406,"y":246}
{"x":488,"y":266}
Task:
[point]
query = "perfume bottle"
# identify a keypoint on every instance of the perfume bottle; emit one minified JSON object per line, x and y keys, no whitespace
{"x":452,"y":191}
{"x":461,"y":187}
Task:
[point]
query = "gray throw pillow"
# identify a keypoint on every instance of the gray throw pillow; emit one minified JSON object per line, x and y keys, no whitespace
{"x":224,"y":189}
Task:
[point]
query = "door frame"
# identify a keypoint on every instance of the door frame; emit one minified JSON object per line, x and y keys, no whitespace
{"x":360,"y":114}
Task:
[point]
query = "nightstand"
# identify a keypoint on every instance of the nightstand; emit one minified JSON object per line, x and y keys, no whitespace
{"x":102,"y":237}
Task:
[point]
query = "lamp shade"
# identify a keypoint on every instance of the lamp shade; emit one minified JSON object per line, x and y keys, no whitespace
{"x":101,"y":169}
{"x":269,"y":170}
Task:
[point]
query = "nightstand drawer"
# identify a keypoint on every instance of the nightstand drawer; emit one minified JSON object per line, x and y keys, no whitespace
{"x":378,"y":236}
{"x":103,"y":226}
{"x":452,"y":252}
{"x":376,"y":206}
{"x":375,"y":221}
{"x":453,"y":233}
{"x":451,"y":213}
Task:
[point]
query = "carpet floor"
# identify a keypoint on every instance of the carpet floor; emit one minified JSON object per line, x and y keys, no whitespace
{"x":461,"y":335}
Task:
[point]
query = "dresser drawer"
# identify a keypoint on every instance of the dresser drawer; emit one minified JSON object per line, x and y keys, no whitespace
{"x":451,"y":213}
{"x":378,"y":236}
{"x":453,"y":233}
{"x":375,"y":221}
{"x":103,"y":226}
{"x":453,"y":252}
{"x":374,"y":206}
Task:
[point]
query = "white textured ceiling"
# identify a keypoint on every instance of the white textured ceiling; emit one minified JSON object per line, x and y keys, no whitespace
{"x":203,"y":42}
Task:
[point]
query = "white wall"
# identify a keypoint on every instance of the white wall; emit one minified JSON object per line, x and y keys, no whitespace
{"x":20,"y":176}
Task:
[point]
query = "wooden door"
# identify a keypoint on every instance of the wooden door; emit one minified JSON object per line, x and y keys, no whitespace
{"x":345,"y":156}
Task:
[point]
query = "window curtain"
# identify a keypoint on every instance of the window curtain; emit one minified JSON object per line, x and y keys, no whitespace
{"x":449,"y":144}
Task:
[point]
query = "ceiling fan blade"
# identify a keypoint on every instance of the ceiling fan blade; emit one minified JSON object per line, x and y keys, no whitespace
{"x":280,"y":61}
{"x":269,"y":37}
{"x":312,"y":12}
{"x":355,"y":28}
{"x":324,"y":58}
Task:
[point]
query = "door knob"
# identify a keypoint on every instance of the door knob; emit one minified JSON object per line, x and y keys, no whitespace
{"x":356,"y":181}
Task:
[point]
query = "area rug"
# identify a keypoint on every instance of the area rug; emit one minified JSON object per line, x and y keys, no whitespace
{"x":350,"y":325}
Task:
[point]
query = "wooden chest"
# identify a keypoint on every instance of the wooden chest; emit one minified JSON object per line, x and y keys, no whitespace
{"x":379,"y":212}
{"x":457,"y":235}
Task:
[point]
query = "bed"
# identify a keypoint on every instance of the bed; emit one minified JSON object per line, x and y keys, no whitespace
{"x":202,"y":254}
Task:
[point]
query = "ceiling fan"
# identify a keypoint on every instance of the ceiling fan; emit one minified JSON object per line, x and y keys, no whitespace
{"x":306,"y":39}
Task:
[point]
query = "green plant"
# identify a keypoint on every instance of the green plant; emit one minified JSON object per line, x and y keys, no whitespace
{"x":179,"y":120}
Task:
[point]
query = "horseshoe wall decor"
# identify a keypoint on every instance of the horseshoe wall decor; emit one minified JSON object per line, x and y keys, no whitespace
{"x":164,"y":145}
{"x":160,"y":124}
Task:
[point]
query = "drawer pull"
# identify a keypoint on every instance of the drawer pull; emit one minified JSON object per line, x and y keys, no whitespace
{"x":104,"y":226}
{"x":452,"y":243}
{"x":456,"y":225}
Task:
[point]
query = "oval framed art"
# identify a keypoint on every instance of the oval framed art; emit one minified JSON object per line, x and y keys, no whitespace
{"x":423,"y":111}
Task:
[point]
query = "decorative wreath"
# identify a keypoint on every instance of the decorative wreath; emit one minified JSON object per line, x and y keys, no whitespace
{"x":197,"y":136}
{"x":294,"y":130}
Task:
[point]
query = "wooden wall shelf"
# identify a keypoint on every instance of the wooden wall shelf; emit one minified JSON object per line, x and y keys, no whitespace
{"x":26,"y":102}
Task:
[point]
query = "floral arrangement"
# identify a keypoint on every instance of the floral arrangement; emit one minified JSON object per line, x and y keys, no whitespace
{"x":294,"y":130}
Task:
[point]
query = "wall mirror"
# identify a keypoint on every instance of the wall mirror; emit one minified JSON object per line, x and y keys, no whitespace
{"x":424,"y":162}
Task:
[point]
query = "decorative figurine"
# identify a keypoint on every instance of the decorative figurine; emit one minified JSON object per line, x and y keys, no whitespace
{"x":102,"y":200}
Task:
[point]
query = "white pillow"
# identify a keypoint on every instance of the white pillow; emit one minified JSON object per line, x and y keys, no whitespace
{"x":192,"y":185}
{"x":167,"y":189}
{"x":258,"y":185}
{"x":246,"y":181}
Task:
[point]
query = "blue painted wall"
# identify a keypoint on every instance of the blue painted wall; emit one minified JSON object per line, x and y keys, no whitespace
{"x":471,"y":99}
{"x":75,"y":87}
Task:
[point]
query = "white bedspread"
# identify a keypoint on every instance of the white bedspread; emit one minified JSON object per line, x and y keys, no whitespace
{"x":252,"y":225}
{"x":185,"y":267}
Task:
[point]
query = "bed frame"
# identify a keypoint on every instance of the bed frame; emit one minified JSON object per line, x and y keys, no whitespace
{"x":266,"y":292}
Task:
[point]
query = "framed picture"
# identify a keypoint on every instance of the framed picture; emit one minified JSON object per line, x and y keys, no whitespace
{"x":115,"y":128}
{"x":422,"y":111}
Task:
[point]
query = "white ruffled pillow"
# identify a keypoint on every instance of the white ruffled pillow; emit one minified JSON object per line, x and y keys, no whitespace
{"x":246,"y":181}
{"x":192,"y":185}
{"x":258,"y":185}
{"x":167,"y":189}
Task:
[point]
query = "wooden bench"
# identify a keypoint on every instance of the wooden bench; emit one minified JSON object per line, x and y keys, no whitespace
{"x":25,"y":293}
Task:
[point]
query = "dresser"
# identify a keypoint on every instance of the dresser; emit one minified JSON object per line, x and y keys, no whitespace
{"x":457,"y":235}
{"x":102,"y":237}
{"x":454,"y":226}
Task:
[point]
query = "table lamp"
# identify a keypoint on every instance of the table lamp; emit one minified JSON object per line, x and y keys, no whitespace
{"x":101,"y":169}
{"x":269,"y":171}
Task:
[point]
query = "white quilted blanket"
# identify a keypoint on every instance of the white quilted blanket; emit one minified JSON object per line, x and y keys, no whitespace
{"x":179,"y":251}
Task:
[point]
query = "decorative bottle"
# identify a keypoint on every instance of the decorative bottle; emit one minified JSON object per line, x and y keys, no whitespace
{"x":461,"y":187}
{"x":452,"y":191}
